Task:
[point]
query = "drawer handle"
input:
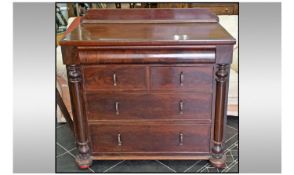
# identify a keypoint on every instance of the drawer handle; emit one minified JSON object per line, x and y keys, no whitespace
{"x":117,"y":108}
{"x":119,"y":143}
{"x":181,"y":138}
{"x":181,"y":78}
{"x":181,"y":105}
{"x":114,"y":78}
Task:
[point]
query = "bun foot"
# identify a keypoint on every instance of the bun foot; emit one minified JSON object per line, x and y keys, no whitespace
{"x":83,"y":163}
{"x":218,"y":162}
{"x":84,"y":166}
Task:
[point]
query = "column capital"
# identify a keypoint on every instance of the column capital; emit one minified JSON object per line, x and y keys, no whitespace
{"x":222,"y":72}
{"x":74,"y":73}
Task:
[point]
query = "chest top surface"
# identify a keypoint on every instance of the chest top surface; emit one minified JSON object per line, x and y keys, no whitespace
{"x":113,"y":27}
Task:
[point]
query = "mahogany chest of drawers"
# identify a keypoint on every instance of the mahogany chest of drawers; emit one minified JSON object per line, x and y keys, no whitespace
{"x":148,"y":84}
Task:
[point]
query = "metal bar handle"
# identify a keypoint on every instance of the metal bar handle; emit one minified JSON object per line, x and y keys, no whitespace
{"x":181,"y":138}
{"x":117,"y":108}
{"x":181,"y":105}
{"x":119,"y":142}
{"x":181,"y":78}
{"x":114,"y":78}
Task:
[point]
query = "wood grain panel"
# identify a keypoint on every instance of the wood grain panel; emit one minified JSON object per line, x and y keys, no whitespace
{"x":197,"y":78}
{"x":147,"y":55}
{"x":150,"y":14}
{"x":102,"y":106}
{"x":126,"y":77}
{"x":104,"y":138}
{"x":150,"y":138}
{"x":230,"y":8}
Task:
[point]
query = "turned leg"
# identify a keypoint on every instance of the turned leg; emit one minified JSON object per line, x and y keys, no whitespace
{"x":83,"y":159}
{"x":218,"y":157}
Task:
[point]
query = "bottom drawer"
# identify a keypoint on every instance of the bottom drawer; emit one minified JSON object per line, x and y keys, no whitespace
{"x":150,"y":138}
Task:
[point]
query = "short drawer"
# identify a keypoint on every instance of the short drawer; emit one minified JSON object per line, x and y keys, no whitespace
{"x":150,"y":138}
{"x":116,"y":106}
{"x":198,"y":78}
{"x":114,"y":77}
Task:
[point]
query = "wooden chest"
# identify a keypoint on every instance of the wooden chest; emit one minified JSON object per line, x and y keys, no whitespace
{"x":148,"y":84}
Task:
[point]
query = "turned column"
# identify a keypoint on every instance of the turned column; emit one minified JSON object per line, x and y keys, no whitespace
{"x":218,"y":157}
{"x":83,"y":157}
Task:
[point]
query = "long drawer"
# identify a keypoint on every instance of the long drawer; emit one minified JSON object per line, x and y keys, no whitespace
{"x":150,"y":138}
{"x":145,"y":55}
{"x":116,"y":106}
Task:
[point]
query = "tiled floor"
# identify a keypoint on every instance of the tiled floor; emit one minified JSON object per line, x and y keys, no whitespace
{"x":66,"y":151}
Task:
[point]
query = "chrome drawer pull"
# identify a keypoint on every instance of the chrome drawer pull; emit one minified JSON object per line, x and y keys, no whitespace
{"x":117,"y":108}
{"x":181,"y":104}
{"x":114,"y":79}
{"x":182,"y":79}
{"x":181,"y":138}
{"x":119,"y":143}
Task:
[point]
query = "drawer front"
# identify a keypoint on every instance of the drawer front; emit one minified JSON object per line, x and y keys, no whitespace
{"x":198,"y":78}
{"x":113,"y":77}
{"x":150,"y":138}
{"x":104,"y":138}
{"x":149,"y":55}
{"x":115,"y":106}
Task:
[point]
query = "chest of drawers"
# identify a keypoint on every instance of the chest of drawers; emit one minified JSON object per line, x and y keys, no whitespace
{"x":148,"y":84}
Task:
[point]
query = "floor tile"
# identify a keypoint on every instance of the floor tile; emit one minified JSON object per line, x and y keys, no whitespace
{"x":233,"y":169}
{"x":179,"y":165}
{"x":198,"y":166}
{"x":74,"y":152}
{"x":230,"y":132}
{"x":99,"y":166}
{"x":231,"y":137}
{"x":235,"y":152}
{"x":59,"y":125}
{"x":231,"y":144}
{"x":213,"y":170}
{"x":233,"y":121}
{"x":59,"y":150}
{"x":65,"y":137}
{"x":229,"y":157}
{"x":134,"y":166}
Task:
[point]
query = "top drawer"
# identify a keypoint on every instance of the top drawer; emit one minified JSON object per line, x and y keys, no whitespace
{"x":182,"y":78}
{"x":143,"y":55}
{"x":114,"y":77}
